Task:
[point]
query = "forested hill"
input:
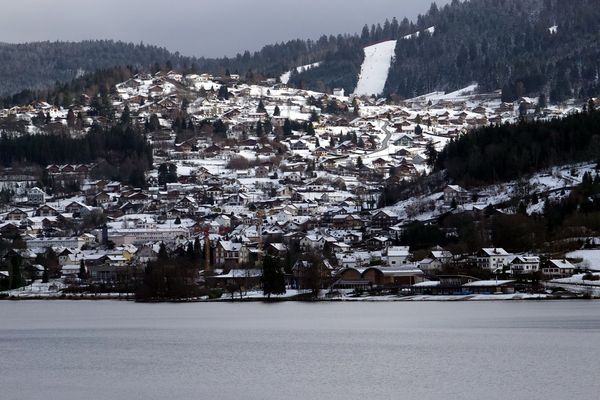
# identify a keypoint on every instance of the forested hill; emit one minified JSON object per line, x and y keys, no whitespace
{"x":503,"y":153}
{"x":525,"y":47}
{"x":40,"y":65}
{"x":521,"y":46}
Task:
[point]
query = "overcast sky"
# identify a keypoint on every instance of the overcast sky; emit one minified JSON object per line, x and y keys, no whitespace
{"x":196,"y":27}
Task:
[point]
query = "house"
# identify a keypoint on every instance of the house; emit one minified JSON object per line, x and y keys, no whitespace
{"x":454,"y":194}
{"x":102,"y":199}
{"x":398,"y":255}
{"x":16,"y":215}
{"x":227,"y":254}
{"x":306,"y":274}
{"x":78,"y":209}
{"x":383,"y":219}
{"x":312,"y":242}
{"x":521,"y":265}
{"x":493,"y":259}
{"x":554,"y":269}
{"x":46,"y":211}
{"x":36,"y":196}
{"x":262,"y":171}
{"x":339,"y":92}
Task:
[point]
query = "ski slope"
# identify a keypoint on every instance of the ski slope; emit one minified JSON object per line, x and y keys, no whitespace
{"x":375,"y":68}
{"x":285,"y":78}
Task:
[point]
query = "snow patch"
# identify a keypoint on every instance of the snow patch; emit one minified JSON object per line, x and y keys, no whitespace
{"x":415,"y":35}
{"x":285,"y":78}
{"x":375,"y":68}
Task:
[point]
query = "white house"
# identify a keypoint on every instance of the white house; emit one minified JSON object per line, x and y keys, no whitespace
{"x":493,"y":258}
{"x":398,"y":255}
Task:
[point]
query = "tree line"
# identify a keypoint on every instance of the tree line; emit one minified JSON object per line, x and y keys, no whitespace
{"x":121,"y":151}
{"x":507,"y":152}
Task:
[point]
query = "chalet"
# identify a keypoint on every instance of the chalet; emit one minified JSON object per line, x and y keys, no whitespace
{"x":102,"y":199}
{"x":346,"y":221}
{"x":554,"y":269}
{"x":261,"y":171}
{"x":383,"y":219}
{"x":380,"y":163}
{"x":78,"y":209}
{"x":227,"y":254}
{"x":405,"y":141}
{"x":16,"y":215}
{"x":312,"y":242}
{"x":137,"y":198}
{"x":36,"y":196}
{"x":46,"y":211}
{"x":67,"y":169}
{"x":320,"y":152}
{"x":454,"y":194}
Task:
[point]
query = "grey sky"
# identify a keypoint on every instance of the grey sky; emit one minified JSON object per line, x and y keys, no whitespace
{"x":196,"y":27}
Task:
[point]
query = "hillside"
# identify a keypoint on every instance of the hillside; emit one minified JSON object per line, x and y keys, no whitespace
{"x":39,"y":65}
{"x":524,"y":47}
{"x":502,"y":153}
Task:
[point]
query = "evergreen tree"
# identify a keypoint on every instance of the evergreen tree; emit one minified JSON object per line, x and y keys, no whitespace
{"x":287,"y":128}
{"x":223,"y":93}
{"x":359,"y":163}
{"x":82,"y":271}
{"x":431,"y":154}
{"x":273,"y":278}
{"x":16,"y":277}
{"x":261,"y":108}
{"x":71,"y":118}
{"x":126,"y":115}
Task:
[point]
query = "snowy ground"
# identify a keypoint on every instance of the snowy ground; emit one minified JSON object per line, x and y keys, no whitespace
{"x":285,"y":78}
{"x":375,"y":68}
{"x":415,"y":35}
{"x":590,"y":258}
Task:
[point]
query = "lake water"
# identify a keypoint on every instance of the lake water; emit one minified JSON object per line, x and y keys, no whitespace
{"x":82,"y":350}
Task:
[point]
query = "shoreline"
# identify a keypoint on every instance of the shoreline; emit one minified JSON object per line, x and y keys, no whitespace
{"x":295,"y":298}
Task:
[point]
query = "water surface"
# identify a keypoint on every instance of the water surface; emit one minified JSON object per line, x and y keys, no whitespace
{"x":117,"y":350}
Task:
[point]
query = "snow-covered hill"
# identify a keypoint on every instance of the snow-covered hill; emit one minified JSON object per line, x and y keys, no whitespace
{"x":285,"y":78}
{"x":375,"y":68}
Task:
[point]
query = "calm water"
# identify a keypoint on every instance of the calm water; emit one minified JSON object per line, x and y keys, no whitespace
{"x":117,"y":350}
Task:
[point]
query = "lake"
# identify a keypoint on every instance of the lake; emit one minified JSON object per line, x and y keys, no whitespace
{"x":73,"y":350}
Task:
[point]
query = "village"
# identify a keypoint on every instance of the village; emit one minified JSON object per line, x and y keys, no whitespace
{"x":278,"y":172}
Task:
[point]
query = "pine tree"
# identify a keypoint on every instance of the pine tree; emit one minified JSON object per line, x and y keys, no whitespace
{"x":287,"y":128}
{"x":273,"y":278}
{"x":431,"y":154}
{"x":223,"y":93}
{"x":126,"y":115}
{"x":71,"y":118}
{"x":82,"y":271}
{"x":261,"y":108}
